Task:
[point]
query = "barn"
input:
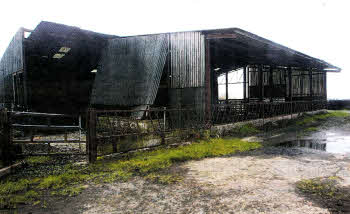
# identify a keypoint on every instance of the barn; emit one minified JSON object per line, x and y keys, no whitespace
{"x":64,"y":69}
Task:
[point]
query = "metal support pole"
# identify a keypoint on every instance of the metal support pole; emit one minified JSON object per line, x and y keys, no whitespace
{"x":261,"y":84}
{"x":290,"y":83}
{"x":208,"y":87}
{"x":248,"y":79}
{"x":244,"y":83}
{"x":271,"y":84}
{"x":311,"y":84}
{"x":325,"y":86}
{"x":226,"y":78}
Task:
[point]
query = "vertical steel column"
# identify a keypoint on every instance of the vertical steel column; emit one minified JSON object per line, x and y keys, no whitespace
{"x":244,"y":83}
{"x":290,"y":91}
{"x":325,"y":85}
{"x":271,"y":83}
{"x":311,"y":84}
{"x":226,"y":79}
{"x":248,"y":80}
{"x":207,"y":80}
{"x":261,"y":85}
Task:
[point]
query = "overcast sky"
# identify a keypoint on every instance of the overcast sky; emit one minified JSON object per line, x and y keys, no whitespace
{"x":319,"y":28}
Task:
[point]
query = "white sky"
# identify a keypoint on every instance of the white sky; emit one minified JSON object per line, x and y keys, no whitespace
{"x":319,"y":28}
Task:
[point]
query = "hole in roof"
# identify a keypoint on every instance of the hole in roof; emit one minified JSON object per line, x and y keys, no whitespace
{"x":26,"y":34}
{"x":64,"y":50}
{"x":331,"y":69}
{"x":58,"y":56}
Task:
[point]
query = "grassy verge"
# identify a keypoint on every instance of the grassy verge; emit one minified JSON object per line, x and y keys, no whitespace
{"x":308,"y":119}
{"x":326,"y":192}
{"x":244,"y":130}
{"x":69,"y":180}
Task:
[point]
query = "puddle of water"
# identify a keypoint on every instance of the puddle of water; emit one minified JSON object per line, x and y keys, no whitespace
{"x":337,"y":145}
{"x":309,"y":144}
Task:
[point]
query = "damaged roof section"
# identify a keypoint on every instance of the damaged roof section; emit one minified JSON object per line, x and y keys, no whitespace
{"x":130,"y":70}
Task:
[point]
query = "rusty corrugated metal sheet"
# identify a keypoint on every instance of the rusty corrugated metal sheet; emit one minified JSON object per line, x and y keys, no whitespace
{"x":187,"y":59}
{"x":11,"y":62}
{"x":130,"y":70}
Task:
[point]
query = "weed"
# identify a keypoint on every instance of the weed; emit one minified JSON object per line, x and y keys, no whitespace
{"x":59,"y":181}
{"x":309,"y":119}
{"x":37,"y":160}
{"x":326,"y":191}
{"x":69,"y":191}
{"x":311,"y":129}
{"x":163,"y":178}
{"x":245,"y":130}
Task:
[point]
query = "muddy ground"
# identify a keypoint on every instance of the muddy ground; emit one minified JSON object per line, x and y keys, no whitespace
{"x":260,"y":181}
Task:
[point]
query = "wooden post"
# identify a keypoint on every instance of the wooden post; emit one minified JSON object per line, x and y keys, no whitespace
{"x":79,"y":132}
{"x":91,"y":143}
{"x":5,"y":144}
{"x":114,"y":146}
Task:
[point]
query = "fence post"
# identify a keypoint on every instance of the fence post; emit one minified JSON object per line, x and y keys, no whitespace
{"x":79,"y":132}
{"x":164,"y":117}
{"x":91,"y":144}
{"x":6,"y":150}
{"x":164,"y":126}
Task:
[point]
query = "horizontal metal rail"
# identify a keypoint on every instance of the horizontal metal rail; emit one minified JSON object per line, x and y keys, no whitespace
{"x":38,"y":114}
{"x":48,"y":141}
{"x":50,"y":154}
{"x":45,"y":126}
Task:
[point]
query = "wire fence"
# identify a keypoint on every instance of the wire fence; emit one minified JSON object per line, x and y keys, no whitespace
{"x":114,"y":131}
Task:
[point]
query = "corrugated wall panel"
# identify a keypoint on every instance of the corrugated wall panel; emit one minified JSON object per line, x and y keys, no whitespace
{"x":187,"y":60}
{"x":130,"y":70}
{"x":11,"y":62}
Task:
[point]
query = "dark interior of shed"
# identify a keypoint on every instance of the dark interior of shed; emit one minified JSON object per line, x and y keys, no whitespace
{"x":60,"y":67}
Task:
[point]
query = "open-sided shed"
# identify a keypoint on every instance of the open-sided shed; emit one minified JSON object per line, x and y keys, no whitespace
{"x":65,"y":69}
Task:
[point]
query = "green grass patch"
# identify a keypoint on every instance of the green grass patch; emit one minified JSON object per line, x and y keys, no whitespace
{"x":152,"y":165}
{"x":325,"y":191}
{"x":37,"y":160}
{"x":311,"y":129}
{"x":17,"y":192}
{"x":245,"y":130}
{"x":69,"y":191}
{"x":308,"y":119}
